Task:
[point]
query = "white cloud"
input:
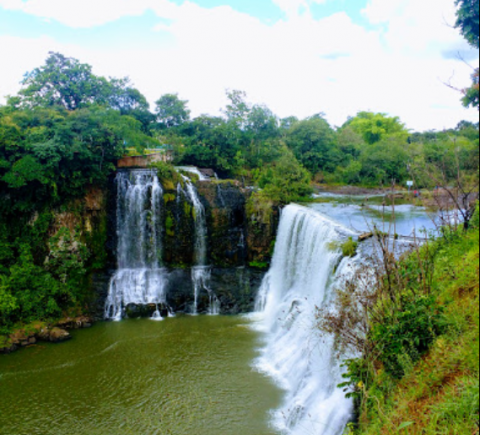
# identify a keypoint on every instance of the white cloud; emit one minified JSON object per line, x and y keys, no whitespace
{"x":415,"y":26}
{"x":298,"y":65}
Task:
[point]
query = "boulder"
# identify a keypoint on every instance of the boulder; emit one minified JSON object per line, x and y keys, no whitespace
{"x":135,"y":311}
{"x":58,"y":335}
{"x":44,"y":334}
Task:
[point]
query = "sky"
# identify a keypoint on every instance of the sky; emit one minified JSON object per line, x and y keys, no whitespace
{"x":298,"y":57}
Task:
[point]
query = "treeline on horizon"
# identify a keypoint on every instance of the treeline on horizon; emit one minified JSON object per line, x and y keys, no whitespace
{"x":67,"y":127}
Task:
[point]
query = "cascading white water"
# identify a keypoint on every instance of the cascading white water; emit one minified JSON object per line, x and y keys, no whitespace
{"x":201,"y":273}
{"x":140,"y":279}
{"x":303,"y":275}
{"x":193,"y":170}
{"x":201,"y":277}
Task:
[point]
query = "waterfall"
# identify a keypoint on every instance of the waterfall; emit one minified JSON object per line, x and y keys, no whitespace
{"x":303,"y":275}
{"x":140,"y":278}
{"x":201,"y":273}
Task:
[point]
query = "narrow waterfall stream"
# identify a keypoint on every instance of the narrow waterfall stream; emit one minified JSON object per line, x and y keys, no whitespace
{"x":140,"y":278}
{"x":303,"y":276}
{"x":201,"y":273}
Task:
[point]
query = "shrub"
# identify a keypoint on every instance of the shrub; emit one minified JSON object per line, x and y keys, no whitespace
{"x":403,"y":336}
{"x":349,"y":248}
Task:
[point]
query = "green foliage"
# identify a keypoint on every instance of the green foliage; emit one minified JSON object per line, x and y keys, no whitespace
{"x":420,"y":369}
{"x":349,"y":248}
{"x":58,"y":154}
{"x":408,"y":333}
{"x":170,"y":225}
{"x":167,"y":174}
{"x":284,"y":182}
{"x":66,"y":83}
{"x":67,"y":258}
{"x":37,"y":293}
{"x":472,"y":94}
{"x":312,"y":142}
{"x":385,"y":161}
{"x":468,"y":20}
{"x":261,"y":265}
{"x":374,"y":127}
{"x":171,"y":111}
{"x":8,"y":305}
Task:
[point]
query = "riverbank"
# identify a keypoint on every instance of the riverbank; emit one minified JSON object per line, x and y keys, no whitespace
{"x":35,"y":332}
{"x":426,"y":380}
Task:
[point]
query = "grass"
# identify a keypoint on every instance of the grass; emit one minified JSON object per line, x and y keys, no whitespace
{"x":440,"y":394}
{"x":348,"y":248}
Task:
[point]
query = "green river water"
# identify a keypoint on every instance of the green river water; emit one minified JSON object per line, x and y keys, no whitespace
{"x":185,"y":375}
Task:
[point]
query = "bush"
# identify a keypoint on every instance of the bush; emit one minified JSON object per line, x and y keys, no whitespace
{"x":403,"y":336}
{"x":286,"y":181}
{"x":349,"y":248}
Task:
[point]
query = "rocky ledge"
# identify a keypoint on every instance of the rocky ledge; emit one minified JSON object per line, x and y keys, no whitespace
{"x":42,"y":332}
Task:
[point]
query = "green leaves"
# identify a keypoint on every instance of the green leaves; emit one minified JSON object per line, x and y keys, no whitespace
{"x":24,"y":171}
{"x":312,"y":141}
{"x":405,"y":425}
{"x":468,"y":20}
{"x":171,"y":111}
{"x":374,"y":127}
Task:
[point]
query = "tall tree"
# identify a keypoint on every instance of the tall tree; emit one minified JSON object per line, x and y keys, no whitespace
{"x":312,"y":142}
{"x":374,"y":127}
{"x":171,"y":111}
{"x":468,"y":21}
{"x":62,"y":82}
{"x":238,"y":108}
{"x":122,"y":96}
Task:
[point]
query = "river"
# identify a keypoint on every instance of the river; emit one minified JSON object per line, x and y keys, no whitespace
{"x":185,"y":375}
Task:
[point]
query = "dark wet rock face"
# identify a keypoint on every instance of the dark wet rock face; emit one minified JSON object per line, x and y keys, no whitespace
{"x":235,"y":288}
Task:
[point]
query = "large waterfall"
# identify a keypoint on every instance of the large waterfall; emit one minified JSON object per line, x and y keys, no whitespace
{"x":140,"y":278}
{"x":305,"y":269}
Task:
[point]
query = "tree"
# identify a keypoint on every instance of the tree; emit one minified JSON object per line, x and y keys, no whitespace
{"x":171,"y":111}
{"x":472,"y":94}
{"x":468,"y":20}
{"x":374,"y":127}
{"x":385,"y":161}
{"x":63,"y":82}
{"x":313,"y":142}
{"x":122,"y":96}
{"x":238,"y":108}
{"x":261,"y":123}
{"x":285,"y":181}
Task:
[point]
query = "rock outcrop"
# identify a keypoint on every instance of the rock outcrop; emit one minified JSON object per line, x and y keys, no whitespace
{"x":42,"y":332}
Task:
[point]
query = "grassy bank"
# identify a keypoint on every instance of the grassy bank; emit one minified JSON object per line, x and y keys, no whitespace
{"x":420,"y":370}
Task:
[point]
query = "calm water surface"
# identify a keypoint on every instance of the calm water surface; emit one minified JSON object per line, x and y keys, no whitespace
{"x":361,"y":215}
{"x":186,"y":375}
